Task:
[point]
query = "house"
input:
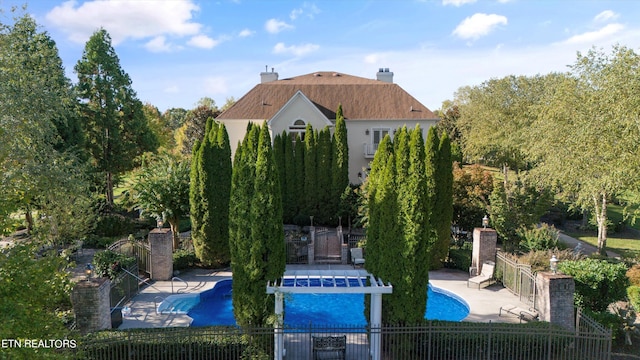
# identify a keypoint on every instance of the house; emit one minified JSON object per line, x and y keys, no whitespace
{"x":371,"y":108}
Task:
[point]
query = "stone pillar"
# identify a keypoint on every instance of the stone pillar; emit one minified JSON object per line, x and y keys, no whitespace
{"x":554,"y":299}
{"x":91,"y":304}
{"x":484,"y":248}
{"x":311,"y":251}
{"x":161,"y":241}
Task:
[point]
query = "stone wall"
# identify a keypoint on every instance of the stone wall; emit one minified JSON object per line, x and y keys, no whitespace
{"x":91,"y":305}
{"x":484,"y":249}
{"x":161,"y":242}
{"x":554,"y":300}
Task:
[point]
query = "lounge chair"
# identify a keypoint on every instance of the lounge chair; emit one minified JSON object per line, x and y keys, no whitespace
{"x":486,"y":275}
{"x":520,"y":312}
{"x":357,"y":259}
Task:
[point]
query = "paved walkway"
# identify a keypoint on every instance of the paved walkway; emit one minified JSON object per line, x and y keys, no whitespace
{"x":484,"y":304}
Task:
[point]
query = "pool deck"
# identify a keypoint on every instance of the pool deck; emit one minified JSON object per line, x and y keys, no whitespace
{"x":484,"y":304}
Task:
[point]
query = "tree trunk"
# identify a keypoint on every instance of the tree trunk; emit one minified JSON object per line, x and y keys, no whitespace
{"x":29,"y":218}
{"x":173,"y":223}
{"x":601,"y":220}
{"x":109,"y":189}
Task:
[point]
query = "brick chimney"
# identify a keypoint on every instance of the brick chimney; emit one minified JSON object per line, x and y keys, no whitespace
{"x":266,"y":76}
{"x":384,"y":75}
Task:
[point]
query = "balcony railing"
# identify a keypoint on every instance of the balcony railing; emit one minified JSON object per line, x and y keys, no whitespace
{"x":370,"y":150}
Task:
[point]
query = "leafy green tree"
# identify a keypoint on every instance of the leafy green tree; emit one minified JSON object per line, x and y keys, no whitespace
{"x":278,"y":153}
{"x":213,"y":188}
{"x":40,"y":155}
{"x":194,"y":124}
{"x":159,"y":126}
{"x":597,"y":104}
{"x":340,"y":160}
{"x":174,"y":117}
{"x":114,"y":123}
{"x":34,"y":298}
{"x":518,"y":205}
{"x":472,"y":188}
{"x":300,"y":169}
{"x":442,"y":214}
{"x":161,"y":189}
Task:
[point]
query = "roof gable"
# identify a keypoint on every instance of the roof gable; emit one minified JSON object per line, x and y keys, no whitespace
{"x":361,"y":98}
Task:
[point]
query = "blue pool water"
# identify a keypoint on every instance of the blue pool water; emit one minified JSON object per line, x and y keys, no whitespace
{"x":215,"y":308}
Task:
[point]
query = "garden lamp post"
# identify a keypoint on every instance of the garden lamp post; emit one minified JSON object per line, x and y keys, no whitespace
{"x":160,"y":223}
{"x":553,"y":264}
{"x":485,"y":221}
{"x":88,"y":271}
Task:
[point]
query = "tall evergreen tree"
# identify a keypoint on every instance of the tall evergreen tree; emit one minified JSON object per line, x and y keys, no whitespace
{"x":414,"y":210}
{"x":300,"y":169}
{"x":289,"y":198}
{"x":213,"y":183}
{"x":278,"y":154}
{"x":326,"y":208}
{"x":114,"y":124}
{"x":310,"y":173}
{"x":257,"y":233}
{"x":242,"y":187}
{"x":340,"y":160}
{"x":443,"y":204}
{"x":431,"y":164}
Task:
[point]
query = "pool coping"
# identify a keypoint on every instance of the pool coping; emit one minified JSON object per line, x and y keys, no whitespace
{"x":484,"y":304}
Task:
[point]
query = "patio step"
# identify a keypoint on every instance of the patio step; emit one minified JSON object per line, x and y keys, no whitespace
{"x":178,"y":304}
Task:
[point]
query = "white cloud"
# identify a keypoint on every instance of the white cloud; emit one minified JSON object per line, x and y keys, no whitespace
{"x":594,"y":36}
{"x":296,"y":50}
{"x":478,"y":25}
{"x":606,"y":16}
{"x":158,"y":44}
{"x":295,"y":13}
{"x":457,"y":3}
{"x":308,"y":9}
{"x":125,"y":19}
{"x":203,"y":42}
{"x":246,"y":33}
{"x":275,"y":26}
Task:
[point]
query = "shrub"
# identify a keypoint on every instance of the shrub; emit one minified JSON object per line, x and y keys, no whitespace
{"x":459,"y":258}
{"x":598,"y":283}
{"x":184,"y":259}
{"x":539,"y":259}
{"x":633,"y":293}
{"x":539,"y":238}
{"x":112,"y":224}
{"x":109,"y":263}
{"x":634,"y":275}
{"x":611,"y":321}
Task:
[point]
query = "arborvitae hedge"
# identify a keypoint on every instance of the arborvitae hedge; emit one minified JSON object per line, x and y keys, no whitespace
{"x":443,"y":204}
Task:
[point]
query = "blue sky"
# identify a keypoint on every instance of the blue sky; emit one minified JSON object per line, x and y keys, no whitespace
{"x":177,"y":52}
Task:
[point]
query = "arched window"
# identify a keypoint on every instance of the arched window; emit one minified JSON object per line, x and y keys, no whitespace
{"x":297,"y":129}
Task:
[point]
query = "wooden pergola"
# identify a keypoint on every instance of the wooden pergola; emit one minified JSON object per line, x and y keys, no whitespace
{"x":330,"y":282}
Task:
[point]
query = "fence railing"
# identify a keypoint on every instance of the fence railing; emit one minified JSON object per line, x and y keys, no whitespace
{"x":431,"y":340}
{"x":140,"y":249}
{"x":516,"y":277}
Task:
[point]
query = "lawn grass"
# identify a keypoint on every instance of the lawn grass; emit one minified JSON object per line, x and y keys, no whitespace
{"x":626,"y":243}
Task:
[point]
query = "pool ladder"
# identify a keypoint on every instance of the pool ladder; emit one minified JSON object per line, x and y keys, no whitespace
{"x":159,"y":299}
{"x":186,"y":285}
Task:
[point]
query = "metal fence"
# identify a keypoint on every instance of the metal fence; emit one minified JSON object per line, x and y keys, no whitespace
{"x":516,"y":277}
{"x":124,"y":286}
{"x":431,"y":340}
{"x":140,"y":249}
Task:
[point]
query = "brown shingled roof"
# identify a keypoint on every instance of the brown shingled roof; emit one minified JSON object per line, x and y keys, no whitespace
{"x":361,"y":98}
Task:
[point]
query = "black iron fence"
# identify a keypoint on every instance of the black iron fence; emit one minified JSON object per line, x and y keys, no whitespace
{"x":431,"y":340}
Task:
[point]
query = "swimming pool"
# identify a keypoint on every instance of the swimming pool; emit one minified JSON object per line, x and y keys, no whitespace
{"x":215,"y":308}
